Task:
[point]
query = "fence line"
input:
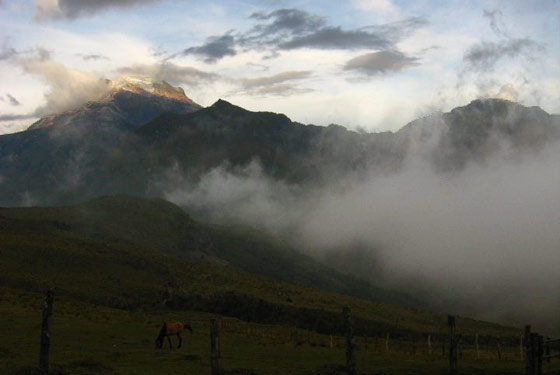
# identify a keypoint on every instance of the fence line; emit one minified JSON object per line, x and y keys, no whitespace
{"x":537,"y":348}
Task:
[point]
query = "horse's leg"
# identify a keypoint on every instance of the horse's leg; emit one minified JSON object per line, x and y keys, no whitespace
{"x":168,"y":339}
{"x":180,"y":339}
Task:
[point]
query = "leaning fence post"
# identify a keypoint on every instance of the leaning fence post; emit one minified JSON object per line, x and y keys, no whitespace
{"x":350,"y":359}
{"x":215,"y":345}
{"x":45,"y":333}
{"x":452,"y":346}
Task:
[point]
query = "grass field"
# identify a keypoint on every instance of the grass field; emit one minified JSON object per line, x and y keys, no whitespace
{"x":92,"y":339}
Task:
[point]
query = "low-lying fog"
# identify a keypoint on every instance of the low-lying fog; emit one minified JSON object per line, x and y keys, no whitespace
{"x":481,"y":241}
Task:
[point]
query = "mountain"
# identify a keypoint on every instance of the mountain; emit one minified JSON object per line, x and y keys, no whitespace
{"x":58,"y":157}
{"x":141,"y":133}
{"x":481,"y":129}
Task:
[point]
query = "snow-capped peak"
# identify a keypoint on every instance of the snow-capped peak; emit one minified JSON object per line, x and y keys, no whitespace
{"x":145,"y":84}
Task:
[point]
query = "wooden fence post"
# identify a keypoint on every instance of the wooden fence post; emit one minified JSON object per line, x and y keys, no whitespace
{"x":547,"y":350}
{"x":46,"y":333}
{"x":528,"y":357}
{"x":499,"y":347}
{"x":350,"y":358}
{"x":540,"y":352}
{"x":429,"y":344}
{"x":533,"y":349}
{"x":452,"y":346}
{"x":476,"y":344}
{"x":215,"y":345}
{"x":387,"y":342}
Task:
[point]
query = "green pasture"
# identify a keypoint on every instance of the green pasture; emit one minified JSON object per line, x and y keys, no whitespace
{"x":92,"y":339}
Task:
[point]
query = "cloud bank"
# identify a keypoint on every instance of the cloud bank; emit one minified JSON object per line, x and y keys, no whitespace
{"x":482,"y":240}
{"x":67,"y":88}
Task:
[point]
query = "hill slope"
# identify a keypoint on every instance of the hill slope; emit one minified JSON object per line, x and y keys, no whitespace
{"x":157,"y":225}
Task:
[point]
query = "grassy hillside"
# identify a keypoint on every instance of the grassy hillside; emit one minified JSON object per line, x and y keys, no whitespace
{"x":160,"y":226}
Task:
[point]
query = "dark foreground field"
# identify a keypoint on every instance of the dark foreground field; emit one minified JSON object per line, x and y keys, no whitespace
{"x":91,"y":339}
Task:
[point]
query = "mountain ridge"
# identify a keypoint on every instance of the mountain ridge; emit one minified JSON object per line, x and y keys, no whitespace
{"x":110,"y":148}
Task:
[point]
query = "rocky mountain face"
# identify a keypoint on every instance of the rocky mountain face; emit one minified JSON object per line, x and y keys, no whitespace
{"x":141,"y":133}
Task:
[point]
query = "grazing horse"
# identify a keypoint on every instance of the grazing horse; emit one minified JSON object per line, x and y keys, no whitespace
{"x":171,"y":328}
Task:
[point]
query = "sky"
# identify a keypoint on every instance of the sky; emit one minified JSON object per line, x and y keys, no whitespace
{"x":368,"y":65}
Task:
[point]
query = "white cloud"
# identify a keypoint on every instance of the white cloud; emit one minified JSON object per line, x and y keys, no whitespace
{"x":508,"y":92}
{"x":67,"y":88}
{"x":379,"y":6}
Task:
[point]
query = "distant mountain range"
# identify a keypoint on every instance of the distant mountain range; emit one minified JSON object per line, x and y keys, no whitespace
{"x":133,"y":138}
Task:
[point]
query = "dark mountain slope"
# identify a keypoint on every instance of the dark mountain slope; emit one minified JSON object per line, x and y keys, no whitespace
{"x":224,"y":134}
{"x":160,"y":226}
{"x":480,"y":130}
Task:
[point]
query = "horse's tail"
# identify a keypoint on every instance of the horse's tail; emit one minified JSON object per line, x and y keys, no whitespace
{"x":187,"y":327}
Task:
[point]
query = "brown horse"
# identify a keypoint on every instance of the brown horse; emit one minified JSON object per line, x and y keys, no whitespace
{"x":169,"y":329}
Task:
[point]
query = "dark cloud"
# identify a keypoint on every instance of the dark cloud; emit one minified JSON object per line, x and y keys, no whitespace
{"x":88,"y":57}
{"x":495,"y":17}
{"x":381,"y":62}
{"x":288,"y":29}
{"x":276,"y":85}
{"x":484,"y":56}
{"x":13,"y":101}
{"x":398,"y":30}
{"x":284,"y":23}
{"x":175,"y":74}
{"x":293,"y":28}
{"x":7,"y":52}
{"x":336,"y":38}
{"x":215,"y":48}
{"x":70,"y":9}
